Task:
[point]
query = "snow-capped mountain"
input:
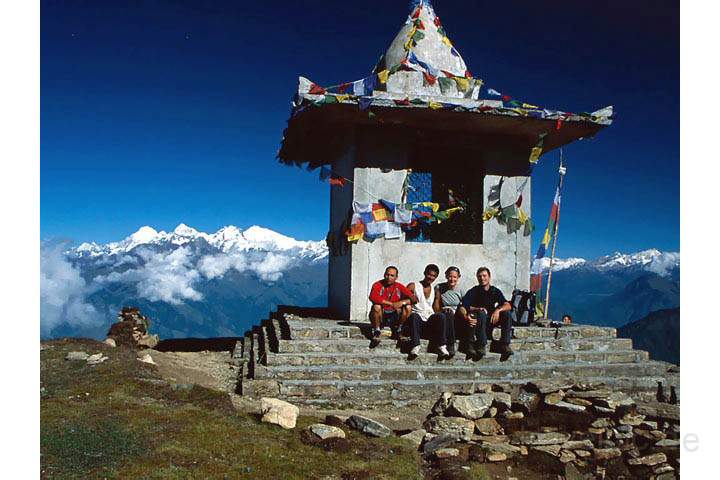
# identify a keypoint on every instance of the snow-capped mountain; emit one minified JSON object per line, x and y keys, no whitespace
{"x":227,"y":239}
{"x":193,"y":283}
{"x":651,"y":260}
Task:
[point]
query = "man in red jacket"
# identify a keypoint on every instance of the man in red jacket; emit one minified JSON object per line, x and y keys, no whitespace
{"x":391,"y":303}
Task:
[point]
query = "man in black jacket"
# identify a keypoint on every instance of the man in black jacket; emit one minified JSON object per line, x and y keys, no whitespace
{"x":484,"y":307}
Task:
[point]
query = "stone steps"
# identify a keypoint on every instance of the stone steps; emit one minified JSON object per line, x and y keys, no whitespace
{"x":381,"y":358}
{"x":320,"y":329}
{"x":357,"y":393}
{"x":329,"y":362}
{"x":481,"y":371}
{"x":361,"y":346}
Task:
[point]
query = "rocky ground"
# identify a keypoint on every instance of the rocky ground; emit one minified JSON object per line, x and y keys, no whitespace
{"x":116,"y":412}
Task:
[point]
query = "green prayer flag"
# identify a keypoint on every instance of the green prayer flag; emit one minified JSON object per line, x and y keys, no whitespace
{"x":330,"y":99}
{"x":418,"y":101}
{"x":417,"y":36}
{"x":446,"y":84}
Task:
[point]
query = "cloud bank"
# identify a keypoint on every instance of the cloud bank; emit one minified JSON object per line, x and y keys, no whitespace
{"x":63,"y":292}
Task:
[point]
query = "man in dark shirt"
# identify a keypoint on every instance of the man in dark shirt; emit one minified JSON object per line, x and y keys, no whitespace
{"x":391,"y":303}
{"x":484,"y":307}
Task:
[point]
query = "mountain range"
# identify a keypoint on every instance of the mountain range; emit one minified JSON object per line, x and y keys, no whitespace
{"x":192,"y":283}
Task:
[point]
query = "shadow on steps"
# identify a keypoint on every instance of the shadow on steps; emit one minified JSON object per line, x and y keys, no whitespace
{"x":218,"y":344}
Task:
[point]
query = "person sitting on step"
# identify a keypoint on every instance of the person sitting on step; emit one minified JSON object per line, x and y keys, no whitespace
{"x":484,"y":307}
{"x":391,"y":303}
{"x":427,"y":319}
{"x":448,"y":297}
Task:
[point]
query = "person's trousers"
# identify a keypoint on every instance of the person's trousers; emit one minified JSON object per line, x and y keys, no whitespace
{"x":438,"y":329}
{"x":483,"y":328}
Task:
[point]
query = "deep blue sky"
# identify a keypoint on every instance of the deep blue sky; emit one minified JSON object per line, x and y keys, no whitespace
{"x":161,"y":112}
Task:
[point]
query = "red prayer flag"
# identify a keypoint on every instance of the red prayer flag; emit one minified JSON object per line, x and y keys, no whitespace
{"x":506,"y":98}
{"x":316,"y":89}
{"x":416,"y":13}
{"x":468,"y":74}
{"x":420,"y":25}
{"x":406,"y":102}
{"x":558,"y":124}
{"x":519,"y":201}
{"x":343,"y":87}
{"x":437,"y":21}
{"x":430,"y":79}
{"x":337,"y":181}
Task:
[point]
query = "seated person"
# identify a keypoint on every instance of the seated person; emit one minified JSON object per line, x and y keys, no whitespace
{"x":426,"y":318}
{"x":391,"y":303}
{"x":484,"y":307}
{"x":448,"y":297}
{"x":567,"y":319}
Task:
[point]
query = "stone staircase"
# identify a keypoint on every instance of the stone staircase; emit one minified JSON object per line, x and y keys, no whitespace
{"x":328,"y":363}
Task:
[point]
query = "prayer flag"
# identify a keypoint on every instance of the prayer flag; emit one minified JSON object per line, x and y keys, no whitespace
{"x":429,"y":78}
{"x":343,"y":87}
{"x":535,"y":154}
{"x":364,"y":102}
{"x":447,"y":42}
{"x":383,"y":76}
{"x":337,"y":181}
{"x":358,"y":87}
{"x":355,"y":232}
{"x":494,"y":92}
{"x":402,"y":215}
{"x":359,"y":207}
{"x":379,"y":212}
{"x":316,"y":89}
{"x":536,"y":269}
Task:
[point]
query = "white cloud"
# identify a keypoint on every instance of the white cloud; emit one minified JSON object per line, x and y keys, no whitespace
{"x":213,"y":266}
{"x":62,"y":292}
{"x":268,"y":266}
{"x":165,"y":276}
{"x":663,"y":263}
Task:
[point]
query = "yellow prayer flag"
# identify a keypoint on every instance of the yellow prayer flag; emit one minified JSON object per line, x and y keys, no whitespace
{"x":435,"y":105}
{"x":528,"y":105}
{"x":342,"y":98}
{"x":383,"y":76}
{"x":535,"y":154}
{"x":522,"y":216}
{"x":447,"y":41}
{"x":489,"y":213}
{"x":546,"y":237}
{"x":380,"y":214}
{"x":462,"y":83}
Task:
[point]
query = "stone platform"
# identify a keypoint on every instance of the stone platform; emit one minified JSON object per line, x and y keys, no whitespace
{"x":328,"y":363}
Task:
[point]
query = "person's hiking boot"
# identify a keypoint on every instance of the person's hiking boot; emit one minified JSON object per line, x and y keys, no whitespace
{"x":451,"y":353}
{"x":479,"y":352}
{"x":375,"y":339}
{"x":414,"y":352}
{"x":443,"y":353}
{"x":470,"y":352}
{"x":505,"y":351}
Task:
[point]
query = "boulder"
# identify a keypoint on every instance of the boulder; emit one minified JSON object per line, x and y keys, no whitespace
{"x":438,"y":442}
{"x":535,"y":438}
{"x":569,"y":407}
{"x":505,"y":448}
{"x":96,"y":359}
{"x":469,"y":406}
{"x":416,"y":437}
{"x":527,"y":401}
{"x":649,"y":460}
{"x":442,"y":403}
{"x":323,"y":431}
{"x":368,"y":426}
{"x":148,"y":341}
{"x":110,"y":342}
{"x":566,"y":456}
{"x":146,"y":358}
{"x":601,"y":454}
{"x":553,"y":450}
{"x":632,"y":420}
{"x":77,"y":356}
{"x":577,"y":444}
{"x":553,"y":398}
{"x":278,"y":412}
{"x":502,"y":400}
{"x":446,"y":453}
{"x":488,"y":426}
{"x":458,"y":427}
{"x":495,"y":457}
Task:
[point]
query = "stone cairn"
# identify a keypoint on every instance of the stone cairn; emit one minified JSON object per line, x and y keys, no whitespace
{"x":132,"y":330}
{"x":574,"y":430}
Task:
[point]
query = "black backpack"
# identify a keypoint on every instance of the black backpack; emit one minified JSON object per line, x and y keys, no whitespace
{"x":523,"y":307}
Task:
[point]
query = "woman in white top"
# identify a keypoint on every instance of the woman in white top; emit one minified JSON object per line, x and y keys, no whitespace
{"x":428,"y":320}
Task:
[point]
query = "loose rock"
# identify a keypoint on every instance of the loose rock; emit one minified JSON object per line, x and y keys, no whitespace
{"x":323,"y":431}
{"x":278,"y":412}
{"x":368,"y":426}
{"x":77,"y":356}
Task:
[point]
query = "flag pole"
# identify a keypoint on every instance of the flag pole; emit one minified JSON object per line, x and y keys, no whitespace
{"x":561,"y":171}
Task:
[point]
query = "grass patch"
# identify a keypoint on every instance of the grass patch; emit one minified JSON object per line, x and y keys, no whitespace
{"x":109,"y":421}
